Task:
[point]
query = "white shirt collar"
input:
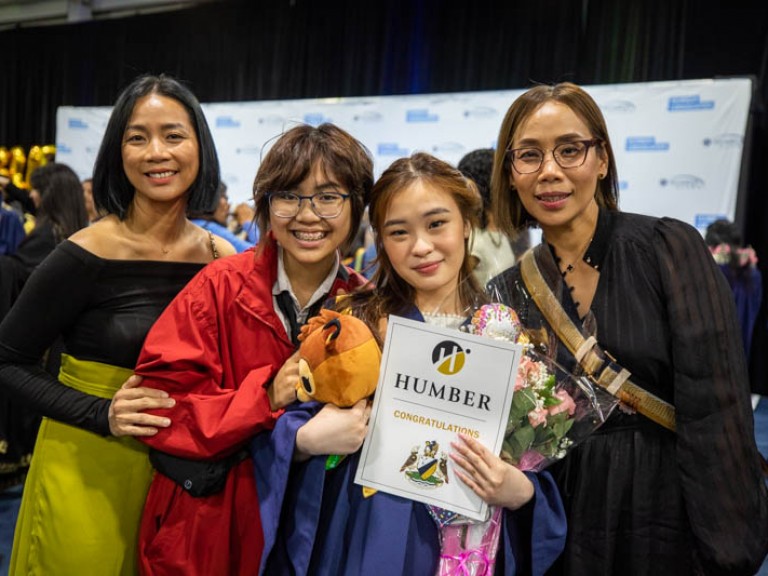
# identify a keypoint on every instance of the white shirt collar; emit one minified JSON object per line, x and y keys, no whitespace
{"x":283,"y":283}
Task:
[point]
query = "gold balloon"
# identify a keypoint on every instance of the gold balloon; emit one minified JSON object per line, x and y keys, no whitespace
{"x":35,"y":159}
{"x":16,"y":169}
{"x":5,"y":160}
{"x":17,"y":165}
{"x":49,"y":151}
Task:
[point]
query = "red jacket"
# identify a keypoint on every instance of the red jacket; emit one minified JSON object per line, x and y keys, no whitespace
{"x":214,"y":349}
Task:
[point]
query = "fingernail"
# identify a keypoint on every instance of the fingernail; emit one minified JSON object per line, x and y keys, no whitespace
{"x":166,"y":422}
{"x":171,"y":402}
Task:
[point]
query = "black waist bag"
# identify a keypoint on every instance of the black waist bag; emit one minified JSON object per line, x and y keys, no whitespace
{"x":198,"y":477}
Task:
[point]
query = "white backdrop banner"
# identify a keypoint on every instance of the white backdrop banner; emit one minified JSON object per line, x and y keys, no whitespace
{"x":678,"y":145}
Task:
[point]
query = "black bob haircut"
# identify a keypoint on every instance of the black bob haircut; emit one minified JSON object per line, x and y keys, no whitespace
{"x":112,"y":191}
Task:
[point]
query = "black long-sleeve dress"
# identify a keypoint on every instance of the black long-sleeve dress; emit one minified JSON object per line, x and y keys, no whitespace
{"x":85,"y":490}
{"x":641,"y":500}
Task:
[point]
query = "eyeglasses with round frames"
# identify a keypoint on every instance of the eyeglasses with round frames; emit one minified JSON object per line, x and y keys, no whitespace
{"x":529,"y":159}
{"x":325,"y":204}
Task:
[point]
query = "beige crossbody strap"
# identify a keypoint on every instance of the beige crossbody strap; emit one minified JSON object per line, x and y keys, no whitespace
{"x":612,"y":377}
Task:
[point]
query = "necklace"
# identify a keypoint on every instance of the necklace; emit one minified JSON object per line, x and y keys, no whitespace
{"x":495,"y":236}
{"x":572,"y":266}
{"x":146,"y":240}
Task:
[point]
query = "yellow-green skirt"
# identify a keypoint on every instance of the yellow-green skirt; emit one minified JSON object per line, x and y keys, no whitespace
{"x":82,"y":501}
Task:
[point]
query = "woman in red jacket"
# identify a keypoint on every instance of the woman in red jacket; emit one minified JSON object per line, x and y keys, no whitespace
{"x":224,"y":351}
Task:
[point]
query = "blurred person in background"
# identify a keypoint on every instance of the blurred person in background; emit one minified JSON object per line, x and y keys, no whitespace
{"x":490,"y":248}
{"x":11,"y":221}
{"x":217,"y":220}
{"x":90,"y":205}
{"x":61,"y":212}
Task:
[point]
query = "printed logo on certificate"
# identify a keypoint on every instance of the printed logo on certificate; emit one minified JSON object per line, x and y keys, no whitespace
{"x":435,"y":383}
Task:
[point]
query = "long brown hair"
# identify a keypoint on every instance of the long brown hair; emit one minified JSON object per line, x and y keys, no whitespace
{"x":507,"y":208}
{"x":392,"y":294}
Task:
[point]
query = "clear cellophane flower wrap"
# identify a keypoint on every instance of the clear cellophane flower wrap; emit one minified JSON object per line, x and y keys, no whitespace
{"x":468,"y":548}
{"x":552,"y":411}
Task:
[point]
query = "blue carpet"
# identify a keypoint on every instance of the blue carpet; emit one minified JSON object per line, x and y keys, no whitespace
{"x":761,"y":435}
{"x":9,"y":508}
{"x":10,"y":499}
{"x":761,"y":426}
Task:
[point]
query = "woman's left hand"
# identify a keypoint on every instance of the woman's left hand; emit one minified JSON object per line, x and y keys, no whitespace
{"x":495,"y":481}
{"x":127,"y":415}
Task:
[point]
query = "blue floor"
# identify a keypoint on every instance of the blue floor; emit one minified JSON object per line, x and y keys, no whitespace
{"x":10,"y":499}
{"x":9,"y":508}
{"x":761,"y":435}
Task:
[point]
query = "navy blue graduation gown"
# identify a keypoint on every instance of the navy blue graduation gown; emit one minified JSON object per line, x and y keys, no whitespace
{"x":318,"y":522}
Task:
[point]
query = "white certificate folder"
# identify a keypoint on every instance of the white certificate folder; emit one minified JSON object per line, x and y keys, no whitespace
{"x":435,"y":383}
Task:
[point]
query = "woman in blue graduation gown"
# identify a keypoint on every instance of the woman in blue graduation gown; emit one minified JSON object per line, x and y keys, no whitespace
{"x":321,"y":522}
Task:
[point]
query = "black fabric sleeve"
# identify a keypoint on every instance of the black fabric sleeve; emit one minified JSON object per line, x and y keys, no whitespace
{"x":725,"y":495}
{"x":52,"y":300}
{"x":16,"y":268}
{"x":35,"y":247}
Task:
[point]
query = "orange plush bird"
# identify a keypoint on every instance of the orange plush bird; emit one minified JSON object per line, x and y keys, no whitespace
{"x":339,"y":360}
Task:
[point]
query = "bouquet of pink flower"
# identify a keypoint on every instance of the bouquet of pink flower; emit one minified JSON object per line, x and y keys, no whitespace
{"x":552,"y":411}
{"x":540,"y":417}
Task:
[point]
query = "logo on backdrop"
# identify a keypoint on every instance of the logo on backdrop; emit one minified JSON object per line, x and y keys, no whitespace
{"x":480,"y":112}
{"x":316,"y":118}
{"x":248,"y":150}
{"x":448,"y":148}
{"x":645,"y":144}
{"x":368,"y":116}
{"x":77,"y":124}
{"x":701,"y":221}
{"x":618,"y":106}
{"x":391,"y":149}
{"x":227,"y":122}
{"x":725,"y":141}
{"x":683,"y":182}
{"x":420,"y":115}
{"x":448,"y":357}
{"x":271,"y":119}
{"x":692,"y":102}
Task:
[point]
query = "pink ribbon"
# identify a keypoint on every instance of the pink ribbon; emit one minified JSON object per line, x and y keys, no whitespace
{"x":466,"y":560}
